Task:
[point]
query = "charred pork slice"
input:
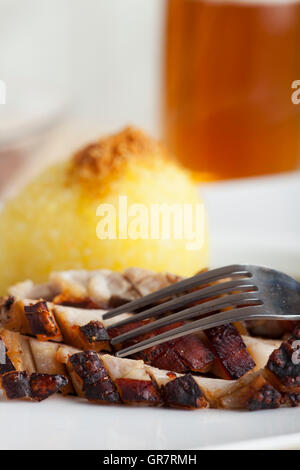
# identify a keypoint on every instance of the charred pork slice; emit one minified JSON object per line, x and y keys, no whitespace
{"x":185,"y":354}
{"x":283,"y":366}
{"x":253,"y":392}
{"x":44,"y":354}
{"x":89,"y":375}
{"x":117,"y":379}
{"x":15,"y":384}
{"x":43,"y":386}
{"x":32,"y":317}
{"x":190,"y":391}
{"x":178,"y":391}
{"x":132,"y":381}
{"x":15,"y":352}
{"x":38,"y":387}
{"x":183,"y":392}
{"x":41,"y":321}
{"x":82,"y":328}
{"x":233,"y":359}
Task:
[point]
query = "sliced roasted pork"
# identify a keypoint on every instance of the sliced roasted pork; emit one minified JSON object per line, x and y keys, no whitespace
{"x":44,"y":355}
{"x":233,"y":358}
{"x":105,"y":288}
{"x":145,"y":281}
{"x":29,"y":290}
{"x":32,"y":317}
{"x":38,"y":387}
{"x":177,"y":390}
{"x":82,"y":328}
{"x":89,"y":375}
{"x":188,"y":353}
{"x":252,"y":392}
{"x":213,"y":388}
{"x":283,"y":366}
{"x":132,"y":380}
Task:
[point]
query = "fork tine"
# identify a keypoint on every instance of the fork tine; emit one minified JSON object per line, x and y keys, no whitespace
{"x":181,"y":286}
{"x":198,"y":325}
{"x":202,"y":309}
{"x":179,"y":302}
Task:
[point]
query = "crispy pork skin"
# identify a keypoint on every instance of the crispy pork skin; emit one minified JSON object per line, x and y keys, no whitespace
{"x":102,"y":391}
{"x":119,"y":330}
{"x":283,"y":369}
{"x":163,"y":356}
{"x":188,"y":353}
{"x":136,"y":392}
{"x":177,"y":390}
{"x":265,"y":398}
{"x":96,"y":384}
{"x":94,"y":332}
{"x":43,"y":386}
{"x":42,"y":322}
{"x":233,"y":359}
{"x":194,"y":353}
{"x":16,"y":384}
{"x":184,"y":354}
{"x":292,"y":399}
{"x":38,"y":387}
{"x":184,"y":392}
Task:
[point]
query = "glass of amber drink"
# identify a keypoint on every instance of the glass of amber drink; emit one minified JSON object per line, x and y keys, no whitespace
{"x":229,"y":69}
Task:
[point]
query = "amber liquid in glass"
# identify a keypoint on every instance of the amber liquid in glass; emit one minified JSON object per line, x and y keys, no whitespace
{"x":229,"y":68}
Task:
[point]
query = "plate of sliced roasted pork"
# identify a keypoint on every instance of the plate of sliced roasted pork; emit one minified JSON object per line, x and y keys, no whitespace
{"x":63,"y":386}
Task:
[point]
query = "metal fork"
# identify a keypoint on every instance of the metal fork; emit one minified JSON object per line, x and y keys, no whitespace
{"x":244,"y":291}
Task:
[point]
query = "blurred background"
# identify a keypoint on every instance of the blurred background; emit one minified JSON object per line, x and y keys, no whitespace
{"x":213,"y":80}
{"x":100,"y":57}
{"x":78,"y":68}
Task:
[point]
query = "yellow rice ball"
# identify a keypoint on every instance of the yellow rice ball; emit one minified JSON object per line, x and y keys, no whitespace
{"x":53,"y":223}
